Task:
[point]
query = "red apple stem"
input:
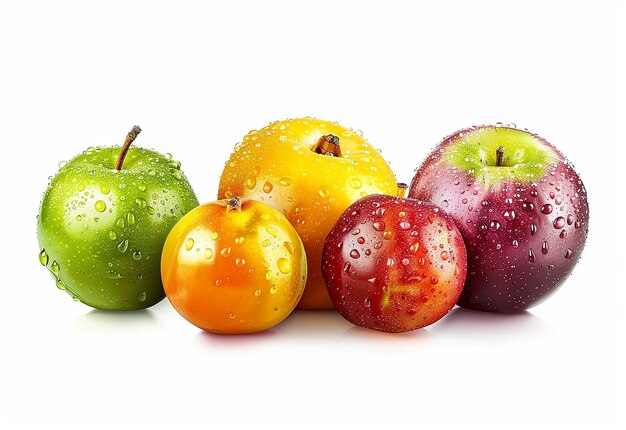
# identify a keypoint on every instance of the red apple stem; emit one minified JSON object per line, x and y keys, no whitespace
{"x":328,"y":145}
{"x":499,"y":155}
{"x":402,"y":187}
{"x":130,"y":137}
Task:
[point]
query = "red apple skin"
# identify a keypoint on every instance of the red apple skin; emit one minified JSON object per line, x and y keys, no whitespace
{"x":522,"y":239}
{"x":394,"y":264}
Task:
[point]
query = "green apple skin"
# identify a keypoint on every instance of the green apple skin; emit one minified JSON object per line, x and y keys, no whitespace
{"x":101,"y":231}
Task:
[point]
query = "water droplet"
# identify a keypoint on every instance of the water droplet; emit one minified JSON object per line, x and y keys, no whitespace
{"x":286,"y":181}
{"x":142,"y":188}
{"x":268,"y":275}
{"x":444,"y":255}
{"x":379,"y":226}
{"x":251,"y":182}
{"x":137,"y":255}
{"x":100,"y":206}
{"x":55,"y":267}
{"x":208,"y":253}
{"x":218,"y":282}
{"x":174,"y":164}
{"x":559,"y":222}
{"x":528,"y":206}
{"x":112,"y":235}
{"x":122,"y":246}
{"x":494,"y":225}
{"x":273,"y":289}
{"x":533,"y":229}
{"x":569,"y":253}
{"x":355,"y":183}
{"x":257,"y":292}
{"x":189,"y":244}
{"x":434,"y":280}
{"x":120,"y":223}
{"x":272,"y":230}
{"x":405,"y":225}
{"x":130,"y":218}
{"x":509,"y":215}
{"x":225,"y":252}
{"x":60,"y":285}
{"x":546,"y":209}
{"x":267,"y":187}
{"x":112,"y":274}
{"x":354,"y":253}
{"x":444,"y":204}
{"x":367,"y":302}
{"x":150,"y":210}
{"x":544,"y":247}
{"x":240,"y":262}
{"x":266,"y":243}
{"x":239,"y":240}
{"x":413,"y":248}
{"x":289,"y":247}
{"x":387,"y":235}
{"x":141,"y":296}
{"x":141,"y":203}
{"x":515,"y":244}
{"x":324,"y":193}
{"x":570,"y":219}
{"x":284,"y":265}
{"x":43,"y":257}
{"x":531,"y":256}
{"x":231,"y":315}
{"x":214,"y":235}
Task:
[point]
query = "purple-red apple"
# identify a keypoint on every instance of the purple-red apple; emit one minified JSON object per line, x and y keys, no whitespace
{"x":521,"y":208}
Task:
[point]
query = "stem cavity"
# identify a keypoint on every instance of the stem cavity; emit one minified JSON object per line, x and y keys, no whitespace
{"x":328,"y":145}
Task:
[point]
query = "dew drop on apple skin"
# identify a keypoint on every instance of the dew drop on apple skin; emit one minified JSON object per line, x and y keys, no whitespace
{"x":100,"y":206}
{"x":141,"y":296}
{"x":43,"y":257}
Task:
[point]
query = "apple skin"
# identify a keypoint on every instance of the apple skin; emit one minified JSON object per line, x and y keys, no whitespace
{"x":394,"y":264}
{"x":101,"y":231}
{"x":524,"y":233}
{"x":278,"y":166}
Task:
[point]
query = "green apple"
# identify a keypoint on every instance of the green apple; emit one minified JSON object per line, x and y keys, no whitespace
{"x":103,"y":221}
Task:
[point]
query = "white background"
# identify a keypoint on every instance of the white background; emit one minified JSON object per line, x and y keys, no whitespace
{"x":197,"y":77}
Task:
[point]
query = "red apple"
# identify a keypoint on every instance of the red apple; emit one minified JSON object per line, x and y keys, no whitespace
{"x":394,"y":264}
{"x":520,"y":206}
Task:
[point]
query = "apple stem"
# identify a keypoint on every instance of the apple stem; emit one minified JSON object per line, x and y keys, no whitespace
{"x":499,"y":155}
{"x":328,"y":145}
{"x":233,"y":203}
{"x":130,"y":137}
{"x":402,"y":187}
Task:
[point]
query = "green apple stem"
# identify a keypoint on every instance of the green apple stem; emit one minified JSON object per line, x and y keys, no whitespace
{"x":130,"y":137}
{"x":328,"y":145}
{"x":402,"y":187}
{"x":499,"y":155}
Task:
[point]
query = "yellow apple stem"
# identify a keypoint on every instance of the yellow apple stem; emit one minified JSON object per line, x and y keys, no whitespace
{"x":233,"y":203}
{"x":402,"y":187}
{"x":130,"y":137}
{"x":499,"y":155}
{"x":328,"y":145}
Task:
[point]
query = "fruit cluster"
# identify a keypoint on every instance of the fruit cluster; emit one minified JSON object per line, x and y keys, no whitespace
{"x":310,"y":215}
